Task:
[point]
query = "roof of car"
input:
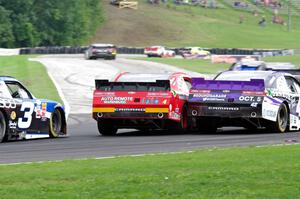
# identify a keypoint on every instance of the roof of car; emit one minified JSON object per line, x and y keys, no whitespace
{"x":250,"y":63}
{"x":102,"y":45}
{"x":7,"y":78}
{"x":245,"y":75}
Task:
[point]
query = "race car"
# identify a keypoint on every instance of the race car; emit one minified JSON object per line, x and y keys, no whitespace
{"x":194,"y":53}
{"x":248,"y":65}
{"x":141,"y":101}
{"x":159,"y":51}
{"x":22,"y":116}
{"x":106,"y":51}
{"x":252,"y":100}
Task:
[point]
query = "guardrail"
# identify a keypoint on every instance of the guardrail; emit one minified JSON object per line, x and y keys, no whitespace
{"x":134,"y":50}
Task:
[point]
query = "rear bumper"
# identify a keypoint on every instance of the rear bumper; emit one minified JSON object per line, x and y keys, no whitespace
{"x":103,"y":55}
{"x":225,"y":111}
{"x":131,"y":113}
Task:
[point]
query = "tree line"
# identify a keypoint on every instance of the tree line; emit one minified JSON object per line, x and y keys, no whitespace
{"x":29,"y":23}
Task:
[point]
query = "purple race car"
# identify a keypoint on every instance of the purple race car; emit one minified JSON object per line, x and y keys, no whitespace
{"x":249,"y":99}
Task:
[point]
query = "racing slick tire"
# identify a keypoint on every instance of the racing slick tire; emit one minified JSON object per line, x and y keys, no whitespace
{"x":3,"y":127}
{"x":106,"y":128}
{"x":281,"y":124}
{"x":184,"y":123}
{"x":56,"y":124}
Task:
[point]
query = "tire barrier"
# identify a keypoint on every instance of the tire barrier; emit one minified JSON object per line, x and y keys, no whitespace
{"x":134,"y":50}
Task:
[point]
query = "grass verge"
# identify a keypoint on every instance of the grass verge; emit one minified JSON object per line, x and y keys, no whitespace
{"x":32,"y":74}
{"x":294,"y":59}
{"x":266,"y":172}
{"x":178,"y":26}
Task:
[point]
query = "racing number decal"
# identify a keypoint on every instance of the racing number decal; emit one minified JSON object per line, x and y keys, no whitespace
{"x":25,"y":122}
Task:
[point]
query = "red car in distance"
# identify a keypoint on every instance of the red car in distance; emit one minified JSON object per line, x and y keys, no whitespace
{"x":141,"y":101}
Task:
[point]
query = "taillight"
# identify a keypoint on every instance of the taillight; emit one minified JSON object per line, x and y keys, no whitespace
{"x":254,"y":93}
{"x":111,"y":50}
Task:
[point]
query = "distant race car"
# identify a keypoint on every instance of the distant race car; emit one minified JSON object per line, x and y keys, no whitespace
{"x":141,"y":101}
{"x":238,"y":98}
{"x":194,"y":53}
{"x":106,"y":51}
{"x":22,"y":116}
{"x":159,"y":51}
{"x":248,"y":65}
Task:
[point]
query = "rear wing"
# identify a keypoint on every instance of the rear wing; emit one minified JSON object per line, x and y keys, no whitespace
{"x":252,"y":85}
{"x":158,"y":85}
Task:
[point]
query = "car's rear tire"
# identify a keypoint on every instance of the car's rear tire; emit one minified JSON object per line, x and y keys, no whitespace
{"x":3,"y":127}
{"x":184,"y":119}
{"x":281,"y":124}
{"x":106,"y":128}
{"x":56,"y":124}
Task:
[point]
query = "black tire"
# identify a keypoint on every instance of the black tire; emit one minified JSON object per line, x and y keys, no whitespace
{"x":281,"y":124}
{"x":184,"y":122}
{"x":3,"y":127}
{"x":106,"y":128}
{"x":55,"y":124}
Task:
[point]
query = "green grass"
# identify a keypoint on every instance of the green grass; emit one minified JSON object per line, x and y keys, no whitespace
{"x":196,"y":65}
{"x":178,"y":26}
{"x":32,"y":74}
{"x":267,"y":172}
{"x":294,"y":59}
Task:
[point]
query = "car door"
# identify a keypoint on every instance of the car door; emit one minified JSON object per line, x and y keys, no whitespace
{"x":25,"y":107}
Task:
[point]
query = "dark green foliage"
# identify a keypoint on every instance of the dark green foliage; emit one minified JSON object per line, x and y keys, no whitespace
{"x":51,"y":22}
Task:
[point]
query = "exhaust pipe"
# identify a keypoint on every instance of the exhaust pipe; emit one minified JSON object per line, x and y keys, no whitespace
{"x":160,"y":115}
{"x":194,"y":112}
{"x":99,"y":114}
{"x":253,"y":114}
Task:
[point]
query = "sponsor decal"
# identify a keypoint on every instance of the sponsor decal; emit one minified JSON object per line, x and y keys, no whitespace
{"x":223,"y":108}
{"x":209,"y":95}
{"x":269,"y":111}
{"x":116,"y":100}
{"x":13,"y":115}
{"x":164,"y":101}
{"x":250,"y":99}
{"x":174,"y":115}
{"x":7,"y":103}
{"x":176,"y":110}
{"x":130,"y":110}
{"x":41,"y":110}
{"x":12,"y":124}
{"x":213,"y":99}
{"x":254,"y":104}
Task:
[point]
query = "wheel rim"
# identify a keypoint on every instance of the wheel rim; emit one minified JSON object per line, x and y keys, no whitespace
{"x":282,"y":119}
{"x":56,"y":122}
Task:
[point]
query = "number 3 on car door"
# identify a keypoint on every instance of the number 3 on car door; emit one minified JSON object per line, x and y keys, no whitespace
{"x":25,"y":121}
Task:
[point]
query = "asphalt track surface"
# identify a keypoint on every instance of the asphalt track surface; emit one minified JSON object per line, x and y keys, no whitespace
{"x":84,"y":141}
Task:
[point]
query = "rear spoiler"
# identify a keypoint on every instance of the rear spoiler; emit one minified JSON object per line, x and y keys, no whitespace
{"x":158,"y":85}
{"x":252,"y":85}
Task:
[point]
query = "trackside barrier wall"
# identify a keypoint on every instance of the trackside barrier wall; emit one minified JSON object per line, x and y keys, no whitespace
{"x":133,"y":50}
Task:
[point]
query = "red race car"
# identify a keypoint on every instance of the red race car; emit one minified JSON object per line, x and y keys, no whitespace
{"x":141,"y":101}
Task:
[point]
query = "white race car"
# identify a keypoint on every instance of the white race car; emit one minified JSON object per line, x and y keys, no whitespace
{"x":158,"y":51}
